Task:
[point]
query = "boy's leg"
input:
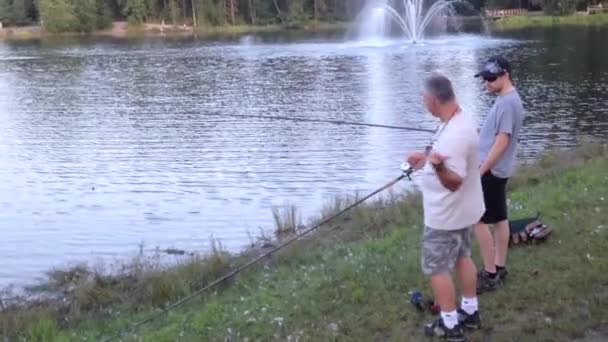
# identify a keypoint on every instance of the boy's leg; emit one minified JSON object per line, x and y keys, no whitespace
{"x":482,"y":230}
{"x":501,"y":231}
{"x":486,"y":246}
{"x":495,"y":203}
{"x":501,"y":234}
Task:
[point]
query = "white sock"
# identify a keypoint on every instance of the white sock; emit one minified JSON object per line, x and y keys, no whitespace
{"x":450,"y":319}
{"x":469,"y":305}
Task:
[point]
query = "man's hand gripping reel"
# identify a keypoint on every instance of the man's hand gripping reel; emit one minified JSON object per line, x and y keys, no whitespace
{"x":407,"y":170}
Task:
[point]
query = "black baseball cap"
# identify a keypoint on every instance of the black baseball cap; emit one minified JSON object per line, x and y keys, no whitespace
{"x":494,"y":67}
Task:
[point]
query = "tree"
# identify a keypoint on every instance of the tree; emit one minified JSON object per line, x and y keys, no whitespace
{"x":85,"y":12}
{"x":233,"y":11}
{"x":278,"y":9}
{"x":154,"y":8}
{"x":193,"y":7}
{"x":252,"y":12}
{"x":103,"y":14}
{"x":319,"y":9}
{"x":135,"y":10}
{"x":296,"y":12}
{"x":6,"y":14}
{"x":173,"y":11}
{"x":20,"y":9}
{"x":88,"y":15}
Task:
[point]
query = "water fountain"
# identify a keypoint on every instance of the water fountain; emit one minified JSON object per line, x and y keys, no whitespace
{"x":414,"y":19}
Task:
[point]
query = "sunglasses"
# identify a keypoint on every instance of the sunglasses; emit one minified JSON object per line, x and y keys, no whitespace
{"x":490,"y":79}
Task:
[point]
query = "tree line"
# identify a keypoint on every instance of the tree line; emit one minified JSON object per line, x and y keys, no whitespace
{"x":89,"y":15}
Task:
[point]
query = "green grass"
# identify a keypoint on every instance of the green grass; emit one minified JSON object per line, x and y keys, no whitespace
{"x":242,"y":29}
{"x":517,"y":22}
{"x":44,"y":329}
{"x":350,"y":282}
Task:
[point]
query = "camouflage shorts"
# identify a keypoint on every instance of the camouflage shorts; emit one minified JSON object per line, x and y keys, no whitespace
{"x":441,"y":249}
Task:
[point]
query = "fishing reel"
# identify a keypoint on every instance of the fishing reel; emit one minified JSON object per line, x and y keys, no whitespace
{"x":407,"y":170}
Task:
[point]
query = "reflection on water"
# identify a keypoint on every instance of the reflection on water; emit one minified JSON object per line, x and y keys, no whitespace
{"x":106,"y":144}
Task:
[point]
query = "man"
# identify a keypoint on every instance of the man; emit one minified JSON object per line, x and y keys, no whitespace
{"x":498,"y":147}
{"x":452,"y":202}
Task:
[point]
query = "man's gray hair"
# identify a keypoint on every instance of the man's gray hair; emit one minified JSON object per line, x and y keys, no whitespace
{"x":441,"y":87}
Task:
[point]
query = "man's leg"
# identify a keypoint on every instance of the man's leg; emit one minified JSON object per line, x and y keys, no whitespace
{"x":443,"y":290}
{"x":486,"y":246}
{"x":468,"y":314}
{"x":439,"y":255}
{"x":447,"y":326}
{"x":467,"y":274}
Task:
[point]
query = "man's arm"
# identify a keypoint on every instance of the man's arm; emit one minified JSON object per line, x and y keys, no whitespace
{"x":498,"y":149}
{"x":448,"y":178}
{"x":504,"y":133}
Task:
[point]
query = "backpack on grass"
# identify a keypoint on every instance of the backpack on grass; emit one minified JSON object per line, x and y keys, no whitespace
{"x":528,"y":230}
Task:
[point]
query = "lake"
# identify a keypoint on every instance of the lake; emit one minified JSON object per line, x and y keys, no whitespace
{"x":107,"y":145}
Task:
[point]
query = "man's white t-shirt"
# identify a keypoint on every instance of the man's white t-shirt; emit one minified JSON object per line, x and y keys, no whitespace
{"x":458,"y":140}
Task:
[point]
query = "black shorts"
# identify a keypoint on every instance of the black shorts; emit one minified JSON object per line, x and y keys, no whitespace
{"x":495,"y":198}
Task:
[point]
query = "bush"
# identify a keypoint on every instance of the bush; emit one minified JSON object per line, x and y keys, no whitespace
{"x":135,"y":12}
{"x":560,"y":7}
{"x":58,"y":15}
{"x":75,"y":15}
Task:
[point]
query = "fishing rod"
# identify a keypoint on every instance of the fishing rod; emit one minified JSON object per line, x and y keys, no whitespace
{"x":406,"y":169}
{"x":335,"y":122}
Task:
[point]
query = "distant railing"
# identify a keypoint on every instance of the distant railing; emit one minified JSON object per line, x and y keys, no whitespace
{"x":498,"y":13}
{"x":597,"y":9}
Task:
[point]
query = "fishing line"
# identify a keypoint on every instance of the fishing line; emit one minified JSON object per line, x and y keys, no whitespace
{"x":406,"y":172}
{"x":335,"y":122}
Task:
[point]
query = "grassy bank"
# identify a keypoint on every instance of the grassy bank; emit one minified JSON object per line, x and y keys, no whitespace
{"x":123,"y":30}
{"x":244,"y":29}
{"x":517,"y":22}
{"x":350,"y":281}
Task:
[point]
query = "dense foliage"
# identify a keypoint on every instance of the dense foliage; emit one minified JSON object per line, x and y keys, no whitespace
{"x":89,"y":15}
